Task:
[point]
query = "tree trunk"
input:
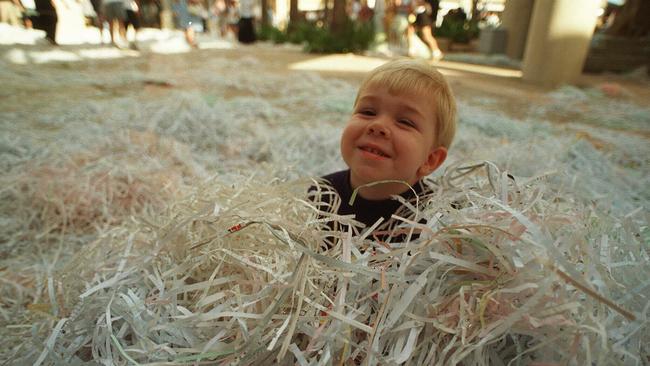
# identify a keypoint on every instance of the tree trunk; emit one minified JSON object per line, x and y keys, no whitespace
{"x":632,"y":20}
{"x":294,"y":15}
{"x":326,"y":12}
{"x":339,"y":16}
{"x":265,"y":13}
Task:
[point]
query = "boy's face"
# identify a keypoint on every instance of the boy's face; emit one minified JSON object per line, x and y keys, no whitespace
{"x":390,"y":137}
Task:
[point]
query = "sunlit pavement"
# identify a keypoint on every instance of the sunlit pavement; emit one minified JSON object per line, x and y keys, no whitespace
{"x":24,"y":46}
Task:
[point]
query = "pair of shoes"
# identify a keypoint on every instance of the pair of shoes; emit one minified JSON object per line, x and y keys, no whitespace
{"x":437,"y":55}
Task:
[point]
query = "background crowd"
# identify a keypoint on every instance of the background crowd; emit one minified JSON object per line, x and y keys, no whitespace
{"x":226,"y":17}
{"x":237,"y":19}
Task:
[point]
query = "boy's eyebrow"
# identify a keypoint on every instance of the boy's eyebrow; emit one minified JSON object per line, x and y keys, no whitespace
{"x":371,"y":97}
{"x":405,"y":106}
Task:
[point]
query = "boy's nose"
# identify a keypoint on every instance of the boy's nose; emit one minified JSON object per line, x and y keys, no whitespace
{"x":378,"y":127}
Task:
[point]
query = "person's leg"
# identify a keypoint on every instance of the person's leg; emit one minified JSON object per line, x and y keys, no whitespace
{"x":97,"y":20}
{"x":234,"y":29}
{"x":27,"y":16}
{"x":111,"y":30}
{"x":115,"y":15}
{"x":410,"y":31}
{"x":134,"y":19}
{"x":223,"y":26}
{"x":190,"y":36}
{"x":51,"y":28}
{"x":436,"y":54}
{"x":100,"y":26}
{"x":122,"y":29}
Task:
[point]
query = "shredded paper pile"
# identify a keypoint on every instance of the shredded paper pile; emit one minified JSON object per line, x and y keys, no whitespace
{"x":243,"y":275}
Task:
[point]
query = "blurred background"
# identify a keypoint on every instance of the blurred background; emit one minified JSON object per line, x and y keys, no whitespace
{"x":586,"y":35}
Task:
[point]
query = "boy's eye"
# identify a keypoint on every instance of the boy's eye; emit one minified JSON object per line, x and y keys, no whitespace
{"x":406,"y":122}
{"x":367,"y":112}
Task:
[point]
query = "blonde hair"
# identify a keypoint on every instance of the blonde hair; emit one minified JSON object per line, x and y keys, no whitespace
{"x":421,"y":78}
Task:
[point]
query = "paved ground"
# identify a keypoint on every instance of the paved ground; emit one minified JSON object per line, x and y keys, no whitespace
{"x":510,"y":93}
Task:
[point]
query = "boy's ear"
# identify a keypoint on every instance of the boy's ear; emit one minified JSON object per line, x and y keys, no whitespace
{"x":435,"y":158}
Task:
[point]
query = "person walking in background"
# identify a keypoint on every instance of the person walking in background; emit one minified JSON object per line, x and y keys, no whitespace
{"x":353,"y":9}
{"x":365,"y":13}
{"x":150,"y":13}
{"x":220,"y":11}
{"x":29,"y":12}
{"x":11,"y":12}
{"x":421,"y":26}
{"x":198,"y":15}
{"x":46,"y":19}
{"x":232,"y":18}
{"x":246,"y":30}
{"x":115,"y":14}
{"x":433,"y":6}
{"x":398,"y":29}
{"x":98,"y":21}
{"x":185,"y":21}
{"x":132,"y":19}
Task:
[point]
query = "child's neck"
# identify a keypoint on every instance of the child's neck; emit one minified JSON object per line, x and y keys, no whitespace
{"x":381,"y":191}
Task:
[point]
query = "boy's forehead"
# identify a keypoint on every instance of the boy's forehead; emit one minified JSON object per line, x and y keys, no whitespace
{"x":415,"y":100}
{"x":394,"y":90}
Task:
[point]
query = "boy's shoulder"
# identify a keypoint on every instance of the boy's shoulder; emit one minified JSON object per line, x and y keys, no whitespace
{"x":338,"y":180}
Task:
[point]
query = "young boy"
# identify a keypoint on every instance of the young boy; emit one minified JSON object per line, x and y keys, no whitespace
{"x":402,"y":125}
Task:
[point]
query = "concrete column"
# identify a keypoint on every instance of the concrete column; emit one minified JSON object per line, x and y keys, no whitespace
{"x":558,"y":40}
{"x":515,"y":20}
{"x":281,"y":17}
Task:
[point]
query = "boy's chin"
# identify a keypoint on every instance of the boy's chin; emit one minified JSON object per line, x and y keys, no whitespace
{"x":361,"y":177}
{"x":381,"y":191}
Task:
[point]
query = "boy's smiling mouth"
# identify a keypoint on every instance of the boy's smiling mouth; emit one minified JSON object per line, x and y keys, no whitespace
{"x":374,"y":150}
